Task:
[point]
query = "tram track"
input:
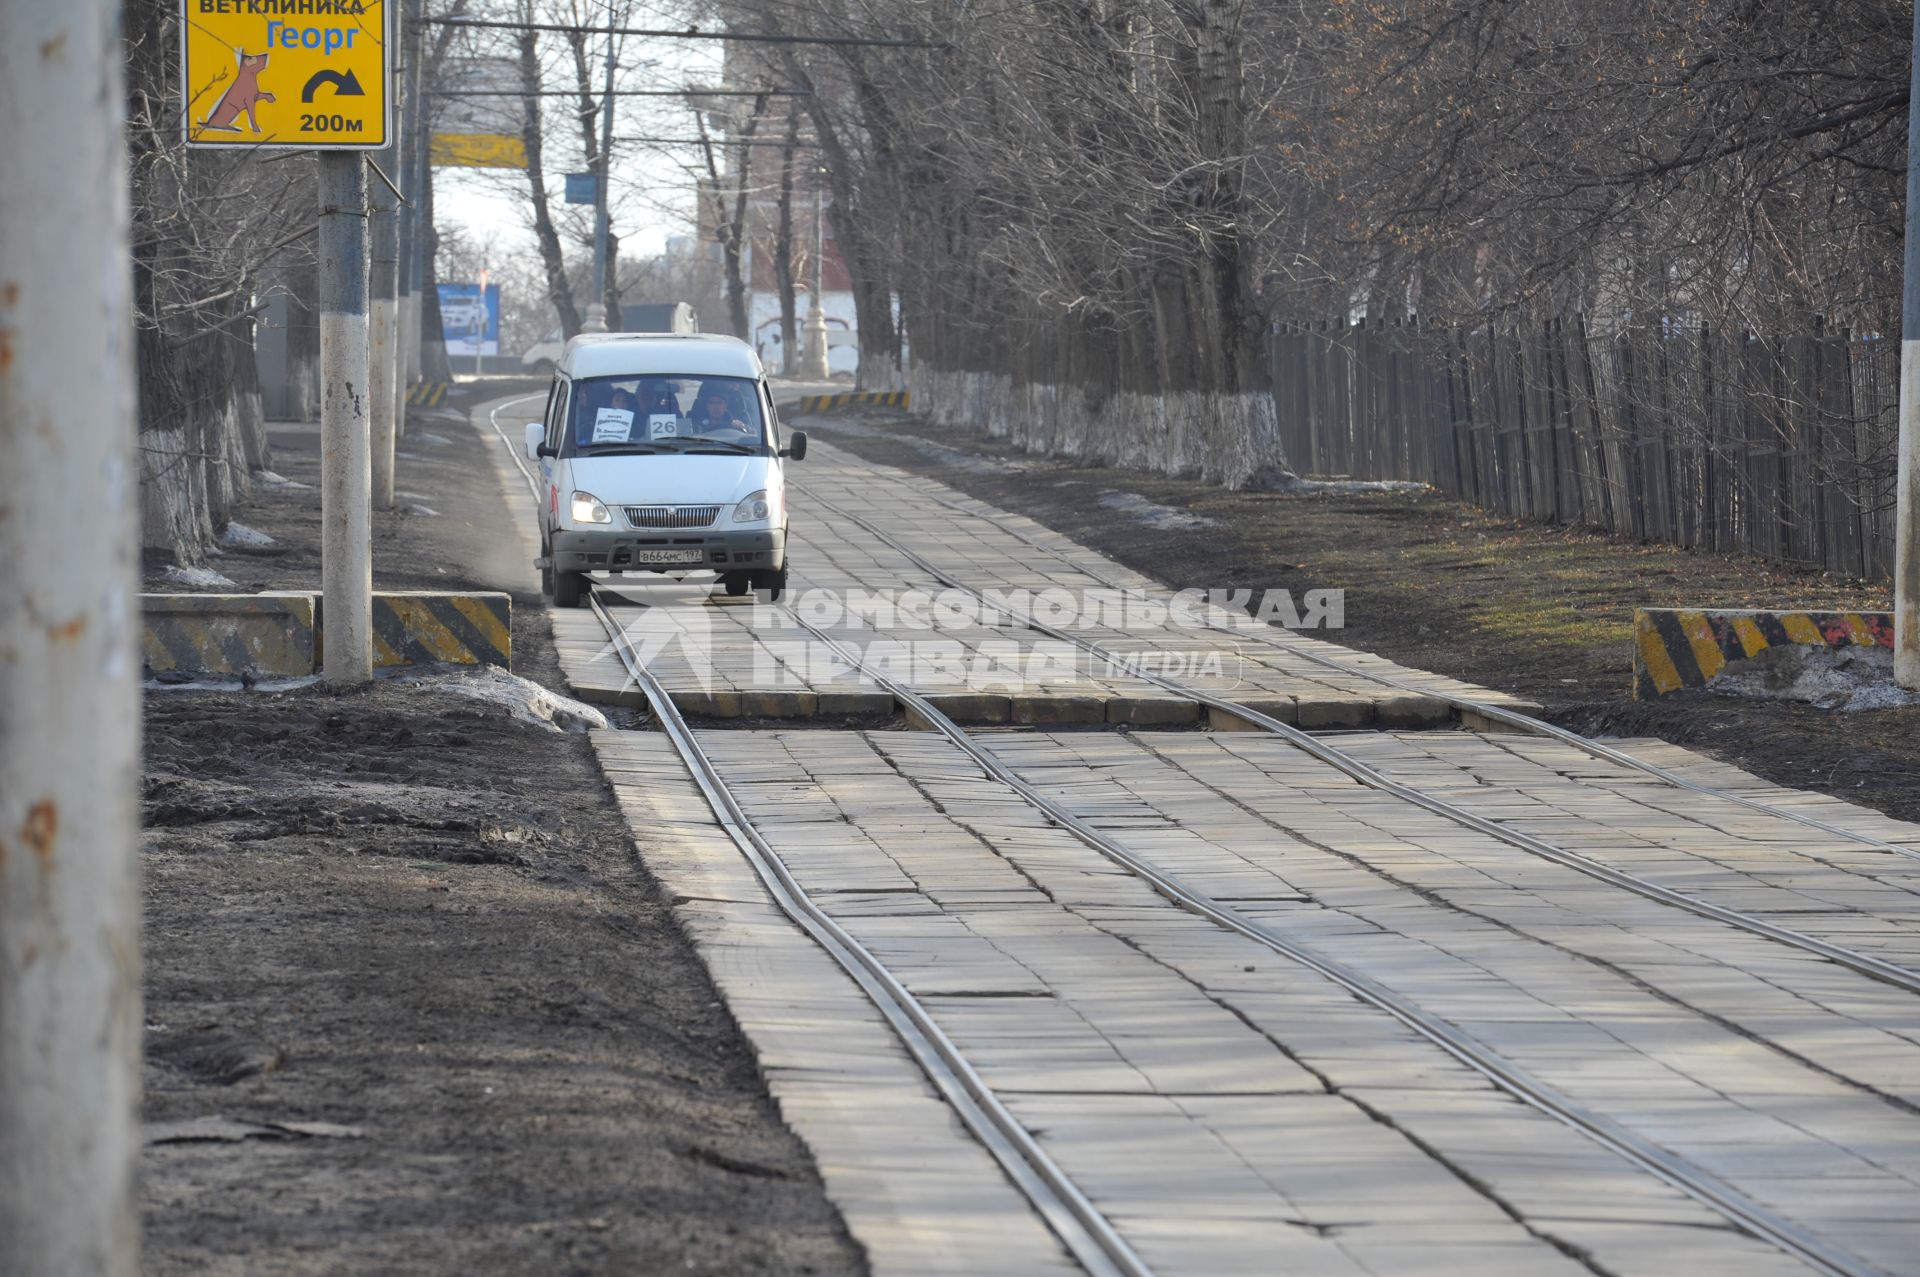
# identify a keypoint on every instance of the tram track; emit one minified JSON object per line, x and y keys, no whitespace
{"x":1087,"y":1234}
{"x":1081,"y":1227}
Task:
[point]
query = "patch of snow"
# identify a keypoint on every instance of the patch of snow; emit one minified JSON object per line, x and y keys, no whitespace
{"x":1847,"y":679}
{"x":269,"y":479}
{"x":429,"y":438}
{"x":1164,"y":517}
{"x":244,"y":537}
{"x":222,"y":683}
{"x":1294,"y":486}
{"x":407,"y":456}
{"x":424,"y":511}
{"x":525,"y":699}
{"x":196,"y":578}
{"x":412,"y":496}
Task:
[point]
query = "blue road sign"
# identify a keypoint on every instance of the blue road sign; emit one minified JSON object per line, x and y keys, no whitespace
{"x":470,"y":317}
{"x":581,"y":187}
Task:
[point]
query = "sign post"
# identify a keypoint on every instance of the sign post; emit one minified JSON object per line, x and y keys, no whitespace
{"x":314,"y":75}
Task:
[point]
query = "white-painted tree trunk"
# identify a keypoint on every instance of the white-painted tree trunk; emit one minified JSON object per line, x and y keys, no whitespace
{"x":69,"y":651}
{"x":1232,"y":439}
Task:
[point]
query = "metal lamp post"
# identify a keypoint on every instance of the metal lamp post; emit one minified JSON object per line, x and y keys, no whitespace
{"x":813,"y":363}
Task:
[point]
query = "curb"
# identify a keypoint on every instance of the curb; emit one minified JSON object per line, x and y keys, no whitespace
{"x":279,"y":635}
{"x":427,"y":394}
{"x":1678,"y":648}
{"x":854,"y":399}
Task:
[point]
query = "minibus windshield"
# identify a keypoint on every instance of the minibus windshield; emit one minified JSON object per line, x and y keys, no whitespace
{"x":661,"y":414}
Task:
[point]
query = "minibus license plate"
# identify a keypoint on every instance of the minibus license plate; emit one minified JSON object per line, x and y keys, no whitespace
{"x":667,"y":556}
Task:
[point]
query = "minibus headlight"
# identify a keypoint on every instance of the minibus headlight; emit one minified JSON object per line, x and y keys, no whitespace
{"x":755,"y":509}
{"x":587,"y":509}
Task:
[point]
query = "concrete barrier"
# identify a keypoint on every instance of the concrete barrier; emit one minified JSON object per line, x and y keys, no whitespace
{"x":278,"y":635}
{"x":258,"y":635}
{"x":1676,"y":648}
{"x":427,"y":394}
{"x":855,"y":399}
{"x":431,"y":628}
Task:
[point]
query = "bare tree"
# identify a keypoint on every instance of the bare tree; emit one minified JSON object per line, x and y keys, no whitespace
{"x":546,"y":236}
{"x":726,"y":196}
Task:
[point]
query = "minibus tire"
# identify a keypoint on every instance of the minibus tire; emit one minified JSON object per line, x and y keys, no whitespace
{"x":737,"y":584}
{"x":774,"y":583}
{"x":569,"y":588}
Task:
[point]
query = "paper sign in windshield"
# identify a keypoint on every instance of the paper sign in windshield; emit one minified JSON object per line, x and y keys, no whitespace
{"x":612,"y":425}
{"x":662,"y":425}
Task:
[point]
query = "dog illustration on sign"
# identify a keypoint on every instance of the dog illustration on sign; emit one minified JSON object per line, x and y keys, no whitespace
{"x":244,"y":95}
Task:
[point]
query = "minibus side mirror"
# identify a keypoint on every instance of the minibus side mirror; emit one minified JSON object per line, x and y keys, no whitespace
{"x":796,"y":446}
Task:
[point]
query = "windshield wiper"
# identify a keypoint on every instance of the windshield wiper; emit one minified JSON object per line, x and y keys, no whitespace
{"x":616,"y":450}
{"x":710,"y":445}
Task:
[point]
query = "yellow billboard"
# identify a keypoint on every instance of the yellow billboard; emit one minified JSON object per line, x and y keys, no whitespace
{"x":478,"y":150}
{"x":301,"y":74}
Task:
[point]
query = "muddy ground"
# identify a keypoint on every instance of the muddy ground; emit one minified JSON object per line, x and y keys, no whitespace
{"x":1541,"y":611}
{"x":409,"y":918}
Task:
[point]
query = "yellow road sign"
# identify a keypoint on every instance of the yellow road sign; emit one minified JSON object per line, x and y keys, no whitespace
{"x":305,"y":74}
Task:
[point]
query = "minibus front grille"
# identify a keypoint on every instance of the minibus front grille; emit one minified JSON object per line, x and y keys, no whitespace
{"x":672,"y":516}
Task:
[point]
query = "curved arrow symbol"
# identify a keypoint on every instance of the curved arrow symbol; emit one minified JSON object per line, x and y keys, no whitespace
{"x":344,"y":86}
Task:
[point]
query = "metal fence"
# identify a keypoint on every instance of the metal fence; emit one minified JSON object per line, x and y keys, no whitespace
{"x":1782,"y":447}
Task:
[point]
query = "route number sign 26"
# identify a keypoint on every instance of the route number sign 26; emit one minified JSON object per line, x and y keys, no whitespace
{"x":286,"y":74}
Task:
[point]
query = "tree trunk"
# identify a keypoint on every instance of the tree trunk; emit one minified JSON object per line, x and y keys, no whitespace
{"x":783,"y":252}
{"x":559,"y":287}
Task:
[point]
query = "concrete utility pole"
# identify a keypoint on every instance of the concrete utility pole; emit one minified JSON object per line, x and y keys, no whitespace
{"x":383,"y":377}
{"x":411,"y":149}
{"x":1906,"y":572}
{"x":346,"y":470}
{"x":813,"y":366}
{"x":69,"y":652}
{"x":596,"y":318}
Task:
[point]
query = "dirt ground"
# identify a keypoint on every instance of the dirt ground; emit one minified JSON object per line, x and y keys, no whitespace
{"x":405,"y":916}
{"x":1541,"y":611}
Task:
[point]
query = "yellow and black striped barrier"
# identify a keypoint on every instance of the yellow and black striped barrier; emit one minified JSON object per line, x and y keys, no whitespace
{"x":258,"y":635}
{"x":426,"y":628}
{"x":855,"y":399}
{"x":1676,"y":648}
{"x":427,"y":394}
{"x":279,"y":635}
